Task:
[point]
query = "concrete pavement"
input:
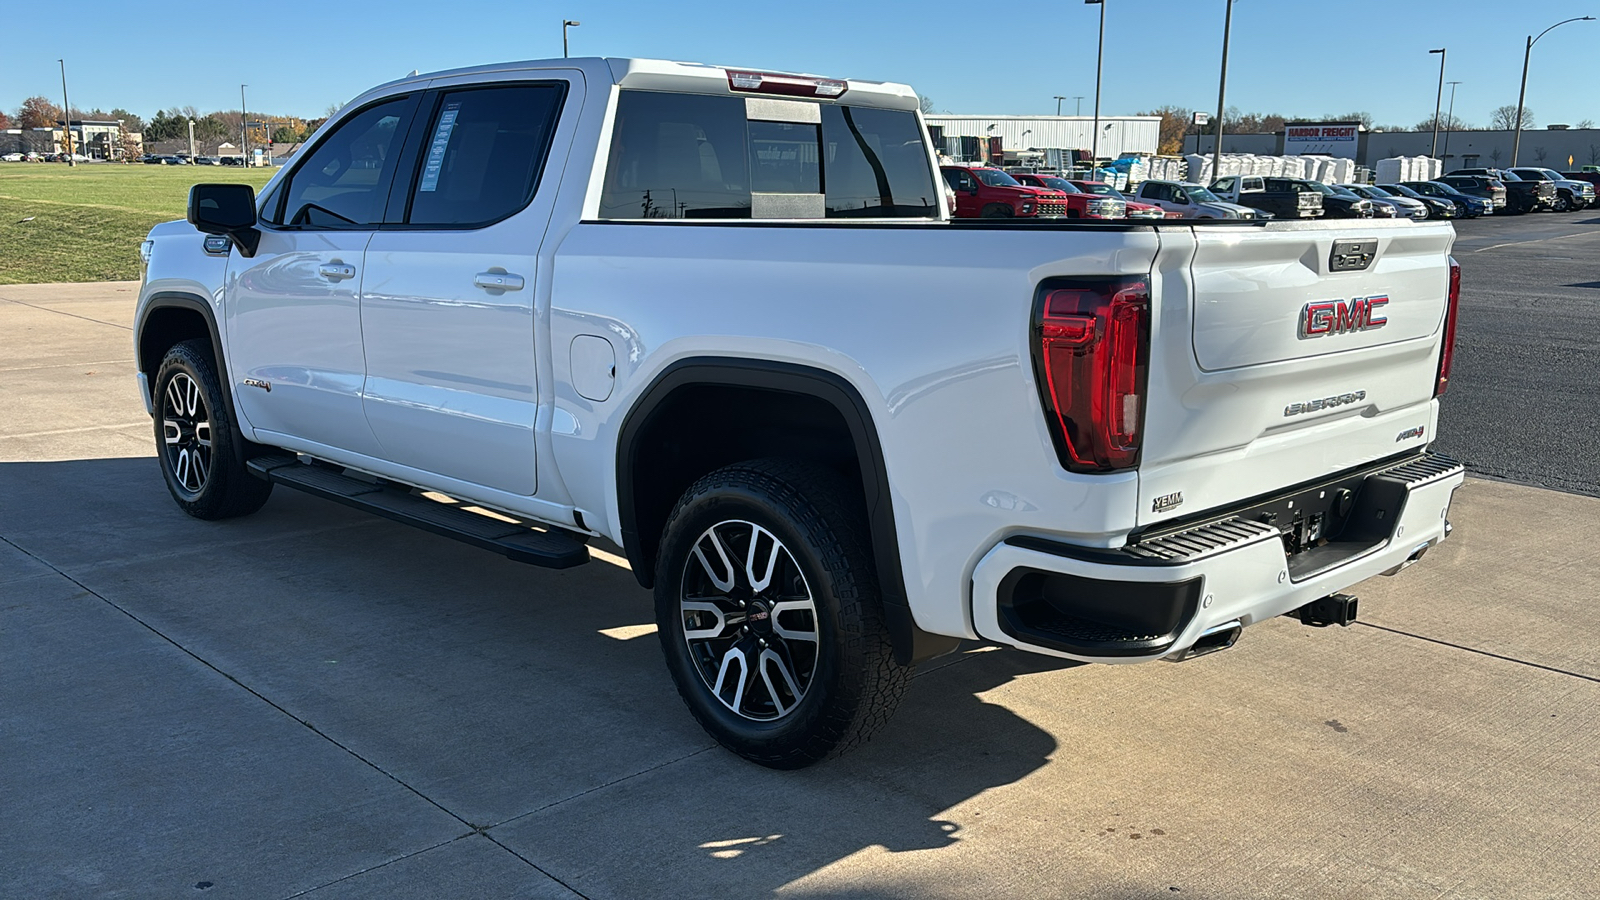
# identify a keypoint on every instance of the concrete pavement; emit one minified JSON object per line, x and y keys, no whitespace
{"x":313,"y":702}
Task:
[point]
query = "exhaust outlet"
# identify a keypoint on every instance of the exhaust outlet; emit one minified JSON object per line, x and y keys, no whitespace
{"x":1217,"y":637}
{"x":1334,"y":609}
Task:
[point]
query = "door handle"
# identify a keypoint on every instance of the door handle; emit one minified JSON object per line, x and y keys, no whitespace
{"x":337,"y":271}
{"x":498,"y":281}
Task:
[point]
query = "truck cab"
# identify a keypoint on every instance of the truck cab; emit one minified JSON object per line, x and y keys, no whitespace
{"x":1251,"y":191}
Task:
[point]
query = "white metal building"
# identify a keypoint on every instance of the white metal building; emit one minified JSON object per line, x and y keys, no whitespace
{"x":1118,"y":134}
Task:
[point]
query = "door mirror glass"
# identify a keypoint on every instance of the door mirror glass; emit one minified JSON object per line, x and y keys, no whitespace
{"x":226,"y":209}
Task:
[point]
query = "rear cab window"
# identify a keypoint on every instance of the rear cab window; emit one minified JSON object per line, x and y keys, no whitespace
{"x":692,"y":156}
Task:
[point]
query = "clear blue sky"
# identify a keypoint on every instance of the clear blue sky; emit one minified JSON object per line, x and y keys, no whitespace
{"x":1289,"y":56}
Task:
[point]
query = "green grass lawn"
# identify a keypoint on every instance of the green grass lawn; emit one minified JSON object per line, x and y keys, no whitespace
{"x":84,"y":223}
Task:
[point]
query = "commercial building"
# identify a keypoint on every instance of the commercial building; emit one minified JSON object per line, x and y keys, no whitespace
{"x":1118,"y":134}
{"x":1547,"y":147}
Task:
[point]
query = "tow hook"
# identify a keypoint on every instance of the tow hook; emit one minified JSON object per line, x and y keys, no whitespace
{"x":1334,"y":609}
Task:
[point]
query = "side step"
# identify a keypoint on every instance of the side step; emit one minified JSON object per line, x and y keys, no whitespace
{"x":518,"y":542}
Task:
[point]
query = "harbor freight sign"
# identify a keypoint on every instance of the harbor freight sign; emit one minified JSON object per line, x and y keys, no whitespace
{"x":1339,"y":139}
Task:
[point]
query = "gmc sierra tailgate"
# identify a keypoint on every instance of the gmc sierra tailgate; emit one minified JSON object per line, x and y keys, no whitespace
{"x":1288,"y":352}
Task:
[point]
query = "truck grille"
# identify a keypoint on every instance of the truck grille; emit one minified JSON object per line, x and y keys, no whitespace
{"x":1052,"y":208}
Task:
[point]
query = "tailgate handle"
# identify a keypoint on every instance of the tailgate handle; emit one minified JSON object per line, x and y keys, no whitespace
{"x":1352,"y":256}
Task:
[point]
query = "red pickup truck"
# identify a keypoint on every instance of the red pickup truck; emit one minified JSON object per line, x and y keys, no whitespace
{"x":1080,"y":204}
{"x":983,"y":193}
{"x":1136,"y":210}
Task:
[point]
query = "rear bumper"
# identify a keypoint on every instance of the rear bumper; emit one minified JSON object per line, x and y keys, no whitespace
{"x":1156,"y":598}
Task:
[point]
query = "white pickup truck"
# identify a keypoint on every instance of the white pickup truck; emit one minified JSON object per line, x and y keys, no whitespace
{"x":724,"y":319}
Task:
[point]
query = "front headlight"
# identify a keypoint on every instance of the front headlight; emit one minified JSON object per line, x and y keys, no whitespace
{"x":145,"y":247}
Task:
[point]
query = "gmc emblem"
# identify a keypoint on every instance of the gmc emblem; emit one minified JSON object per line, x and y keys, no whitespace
{"x":1342,"y":317}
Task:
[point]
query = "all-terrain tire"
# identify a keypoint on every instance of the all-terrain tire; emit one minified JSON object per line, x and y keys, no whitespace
{"x":199,"y":448}
{"x":751,"y":547}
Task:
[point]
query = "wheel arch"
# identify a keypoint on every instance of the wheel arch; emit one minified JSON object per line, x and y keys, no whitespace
{"x":832,"y":418}
{"x":169,"y":318}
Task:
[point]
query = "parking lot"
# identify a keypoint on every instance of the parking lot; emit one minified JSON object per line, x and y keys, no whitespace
{"x":313,"y":701}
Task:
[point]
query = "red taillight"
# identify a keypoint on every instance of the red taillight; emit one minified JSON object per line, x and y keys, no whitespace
{"x":1093,"y":355}
{"x":791,"y":85}
{"x":1447,"y":355}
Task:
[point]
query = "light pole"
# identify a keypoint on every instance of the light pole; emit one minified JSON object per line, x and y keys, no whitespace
{"x":1099,"y":59}
{"x":565,"y":24}
{"x":244,"y":131}
{"x":1058,"y":100}
{"x":1222,"y":90}
{"x":1024,"y":139}
{"x":1434,"y":152}
{"x":191,"y":141}
{"x":1516,"y":142}
{"x":1450,"y":120}
{"x":1080,"y":105}
{"x":66,"y":112}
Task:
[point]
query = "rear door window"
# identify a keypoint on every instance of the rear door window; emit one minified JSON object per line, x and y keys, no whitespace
{"x":483,"y":154}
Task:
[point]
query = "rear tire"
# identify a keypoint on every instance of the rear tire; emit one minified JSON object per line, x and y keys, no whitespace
{"x":769,"y":614}
{"x":196,"y":441}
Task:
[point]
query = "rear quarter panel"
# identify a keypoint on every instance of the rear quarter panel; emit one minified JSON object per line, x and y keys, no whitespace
{"x":930,"y":323}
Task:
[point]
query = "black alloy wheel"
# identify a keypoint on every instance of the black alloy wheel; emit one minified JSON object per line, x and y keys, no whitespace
{"x":769,"y":614}
{"x":200,"y":451}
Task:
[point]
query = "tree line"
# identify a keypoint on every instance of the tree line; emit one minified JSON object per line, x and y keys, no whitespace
{"x":169,"y":124}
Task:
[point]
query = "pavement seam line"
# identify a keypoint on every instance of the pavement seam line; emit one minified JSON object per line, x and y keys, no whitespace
{"x":70,"y":365}
{"x":86,"y":428}
{"x":1489,"y":653}
{"x":73,"y":315}
{"x":584,"y":793}
{"x":252,"y":691}
{"x":387,"y":862}
{"x":475,"y":829}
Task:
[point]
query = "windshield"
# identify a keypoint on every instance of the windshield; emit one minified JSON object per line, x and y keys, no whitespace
{"x":1531,"y":174}
{"x":1323,"y":189}
{"x":1200,"y":195}
{"x":1060,"y":184}
{"x":1097,"y":187}
{"x":1375,"y":192}
{"x":1346,"y":193}
{"x":995,"y":178}
{"x":1445,"y":188}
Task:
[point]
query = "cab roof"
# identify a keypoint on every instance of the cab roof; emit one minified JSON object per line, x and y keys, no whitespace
{"x":685,"y":77}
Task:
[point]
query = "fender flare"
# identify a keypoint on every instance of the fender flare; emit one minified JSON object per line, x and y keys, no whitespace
{"x":193,"y":303}
{"x":911,"y":644}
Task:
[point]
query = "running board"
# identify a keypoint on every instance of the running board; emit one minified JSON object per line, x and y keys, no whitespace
{"x":519,"y":542}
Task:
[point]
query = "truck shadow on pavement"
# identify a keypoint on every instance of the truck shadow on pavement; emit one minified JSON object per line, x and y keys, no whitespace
{"x":532,"y":705}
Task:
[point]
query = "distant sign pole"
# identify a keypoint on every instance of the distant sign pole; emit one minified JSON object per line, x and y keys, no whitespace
{"x":66,"y":112}
{"x":1222,"y":91}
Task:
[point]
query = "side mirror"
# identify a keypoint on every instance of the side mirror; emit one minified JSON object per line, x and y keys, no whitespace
{"x":226,"y":209}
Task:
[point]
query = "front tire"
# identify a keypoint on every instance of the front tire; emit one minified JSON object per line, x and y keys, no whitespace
{"x":769,"y":614}
{"x":195,"y":439}
{"x":1563,"y":203}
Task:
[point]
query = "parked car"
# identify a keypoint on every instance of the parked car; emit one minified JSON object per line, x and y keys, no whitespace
{"x":1335,"y":205}
{"x":1192,"y":201}
{"x":1404,"y":207}
{"x":1590,"y":174}
{"x":1080,"y":205}
{"x":1571,"y":195}
{"x":206,"y":161}
{"x":1486,"y":186}
{"x":1283,"y":203}
{"x":1470,"y":207}
{"x":1522,"y":195}
{"x":832,"y":452}
{"x":985,"y":193}
{"x":12,"y":157}
{"x":1136,"y":210}
{"x":1438,"y":207}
